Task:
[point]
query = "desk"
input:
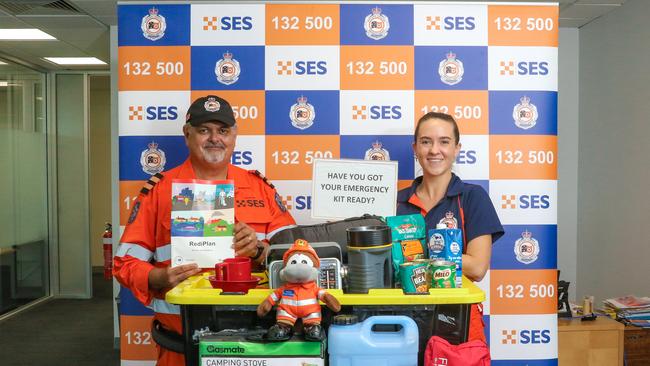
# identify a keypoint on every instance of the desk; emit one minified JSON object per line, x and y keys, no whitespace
{"x":593,"y":343}
{"x":637,"y":346}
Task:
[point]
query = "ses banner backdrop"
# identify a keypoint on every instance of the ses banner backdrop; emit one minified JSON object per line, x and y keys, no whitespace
{"x":323,"y":80}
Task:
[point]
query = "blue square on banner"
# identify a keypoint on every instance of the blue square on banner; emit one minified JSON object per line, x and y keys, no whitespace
{"x":485,"y":184}
{"x":167,"y":25}
{"x":155,"y":152}
{"x":302,"y":112}
{"x":526,"y":247}
{"x":391,"y":25}
{"x":523,"y":112}
{"x":468,"y":62}
{"x":551,"y":362}
{"x":228,"y":67}
{"x":398,"y":148}
{"x":129,"y":305}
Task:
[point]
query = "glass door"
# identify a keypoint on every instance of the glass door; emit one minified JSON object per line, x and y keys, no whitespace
{"x":24,"y":269}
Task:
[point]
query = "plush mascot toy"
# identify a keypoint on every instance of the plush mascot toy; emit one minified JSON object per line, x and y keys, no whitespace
{"x":298,"y":297}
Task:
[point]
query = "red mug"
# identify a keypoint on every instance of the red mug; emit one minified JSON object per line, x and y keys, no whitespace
{"x":233,"y":269}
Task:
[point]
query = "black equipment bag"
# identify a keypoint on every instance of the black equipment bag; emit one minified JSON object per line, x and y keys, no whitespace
{"x":331,"y":231}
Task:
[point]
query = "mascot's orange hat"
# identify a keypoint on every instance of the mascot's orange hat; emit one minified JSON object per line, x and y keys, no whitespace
{"x":302,"y":246}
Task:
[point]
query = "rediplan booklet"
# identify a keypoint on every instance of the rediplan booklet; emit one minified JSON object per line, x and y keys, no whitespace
{"x":202,"y":221}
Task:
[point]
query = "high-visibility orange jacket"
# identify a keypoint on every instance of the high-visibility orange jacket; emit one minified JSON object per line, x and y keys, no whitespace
{"x":145,"y":243}
{"x":298,"y":300}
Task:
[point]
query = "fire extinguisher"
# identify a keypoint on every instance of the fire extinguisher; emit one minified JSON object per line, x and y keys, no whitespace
{"x":107,"y":241}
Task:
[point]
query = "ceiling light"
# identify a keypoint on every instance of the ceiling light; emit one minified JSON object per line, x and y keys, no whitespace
{"x":3,"y":83}
{"x":2,"y":63}
{"x":23,"y":34}
{"x":75,"y":60}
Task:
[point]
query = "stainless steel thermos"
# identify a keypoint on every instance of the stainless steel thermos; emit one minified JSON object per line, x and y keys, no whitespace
{"x":369,"y":258}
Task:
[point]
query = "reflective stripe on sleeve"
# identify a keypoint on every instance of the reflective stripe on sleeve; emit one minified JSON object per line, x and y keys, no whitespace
{"x":163,"y":307}
{"x":321,"y":293}
{"x":270,"y":235}
{"x":260,"y":236}
{"x":274,"y":297}
{"x":135,"y":251}
{"x":163,"y":253}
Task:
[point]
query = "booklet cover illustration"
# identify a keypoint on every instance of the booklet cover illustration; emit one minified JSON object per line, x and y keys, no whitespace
{"x":202,"y":221}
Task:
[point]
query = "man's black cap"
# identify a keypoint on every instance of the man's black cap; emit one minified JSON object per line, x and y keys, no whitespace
{"x":210,"y":108}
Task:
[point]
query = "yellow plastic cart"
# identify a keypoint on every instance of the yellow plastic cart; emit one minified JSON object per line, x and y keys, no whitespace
{"x":443,"y":312}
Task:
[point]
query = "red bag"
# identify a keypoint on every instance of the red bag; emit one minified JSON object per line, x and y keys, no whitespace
{"x":439,"y":352}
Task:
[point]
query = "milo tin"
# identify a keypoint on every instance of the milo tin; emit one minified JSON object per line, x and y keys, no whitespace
{"x":415,"y":276}
{"x":443,"y":274}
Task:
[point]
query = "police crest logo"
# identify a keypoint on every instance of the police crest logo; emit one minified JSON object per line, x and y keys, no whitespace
{"x":211,"y":105}
{"x":302,"y":114}
{"x":377,"y":152}
{"x":152,"y":159}
{"x":227,"y":69}
{"x":153,"y":25}
{"x":451,"y":70}
{"x":376,"y":24}
{"x":449,"y":220}
{"x":526,"y":248}
{"x":525,"y":114}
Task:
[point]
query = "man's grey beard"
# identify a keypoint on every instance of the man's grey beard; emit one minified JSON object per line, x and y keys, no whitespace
{"x":214,"y":157}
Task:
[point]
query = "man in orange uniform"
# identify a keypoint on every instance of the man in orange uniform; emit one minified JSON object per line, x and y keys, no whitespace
{"x":142,"y":262}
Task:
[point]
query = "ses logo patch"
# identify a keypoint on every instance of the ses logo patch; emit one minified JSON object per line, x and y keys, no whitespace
{"x":511,"y":67}
{"x":526,"y":336}
{"x":302,"y":67}
{"x":525,"y":201}
{"x":152,"y":113}
{"x":532,"y":335}
{"x":446,"y":24}
{"x":390,"y":112}
{"x":161,"y":111}
{"x":227,"y":24}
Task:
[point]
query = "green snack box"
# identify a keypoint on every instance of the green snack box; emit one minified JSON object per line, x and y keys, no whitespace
{"x":409,"y":234}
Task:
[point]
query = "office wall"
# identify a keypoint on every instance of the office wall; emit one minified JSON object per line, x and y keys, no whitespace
{"x":99,"y":163}
{"x":72,"y":182}
{"x":613,"y":171}
{"x":567,"y":166}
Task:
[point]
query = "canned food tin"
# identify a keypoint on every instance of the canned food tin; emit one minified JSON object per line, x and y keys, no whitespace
{"x":443,"y":274}
{"x":415,"y":276}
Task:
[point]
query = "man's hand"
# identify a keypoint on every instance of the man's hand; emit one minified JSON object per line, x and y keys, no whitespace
{"x":245,"y":240}
{"x":161,"y":278}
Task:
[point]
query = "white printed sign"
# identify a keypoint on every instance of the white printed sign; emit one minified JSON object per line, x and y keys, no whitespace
{"x":347,"y":188}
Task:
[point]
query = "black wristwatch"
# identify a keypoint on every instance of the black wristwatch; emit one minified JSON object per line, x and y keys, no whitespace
{"x":260,"y":250}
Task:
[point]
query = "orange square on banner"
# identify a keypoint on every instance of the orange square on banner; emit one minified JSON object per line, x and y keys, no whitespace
{"x":468,"y":107}
{"x":290,"y":157}
{"x":136,"y":342}
{"x":523,"y":157}
{"x":526,"y":291}
{"x":153,"y":68}
{"x":519,"y":25}
{"x":377,"y":67}
{"x":302,"y":24}
{"x":401,"y":184}
{"x":248,"y":107}
{"x":129,"y":190}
